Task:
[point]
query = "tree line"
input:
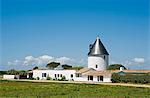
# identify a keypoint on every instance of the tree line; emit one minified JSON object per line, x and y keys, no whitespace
{"x":53,"y":65}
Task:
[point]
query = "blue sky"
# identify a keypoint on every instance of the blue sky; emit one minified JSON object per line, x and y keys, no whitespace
{"x":65,"y":28}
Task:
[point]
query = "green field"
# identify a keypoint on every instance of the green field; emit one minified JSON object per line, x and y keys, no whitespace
{"x":12,"y":89}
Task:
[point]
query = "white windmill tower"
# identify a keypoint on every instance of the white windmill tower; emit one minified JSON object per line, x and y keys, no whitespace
{"x":98,"y":56}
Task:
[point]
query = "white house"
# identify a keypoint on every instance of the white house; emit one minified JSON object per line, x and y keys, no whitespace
{"x":98,"y":58}
{"x":54,"y":74}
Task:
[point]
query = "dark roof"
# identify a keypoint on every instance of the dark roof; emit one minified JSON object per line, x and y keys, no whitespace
{"x":97,"y":48}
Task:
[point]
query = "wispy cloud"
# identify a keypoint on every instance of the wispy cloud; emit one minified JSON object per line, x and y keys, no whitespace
{"x":131,"y":62}
{"x":139,"y":60}
{"x":134,"y":61}
{"x":31,"y":61}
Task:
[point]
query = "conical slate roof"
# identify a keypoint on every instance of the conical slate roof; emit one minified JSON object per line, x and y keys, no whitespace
{"x":97,"y":48}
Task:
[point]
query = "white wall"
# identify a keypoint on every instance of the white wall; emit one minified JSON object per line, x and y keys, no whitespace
{"x":107,"y":79}
{"x":51,"y":73}
{"x":95,"y":60}
{"x":83,"y":78}
{"x":8,"y":76}
{"x":104,"y":79}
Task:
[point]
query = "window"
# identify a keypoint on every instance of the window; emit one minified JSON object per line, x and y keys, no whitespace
{"x":78,"y":75}
{"x":43,"y":74}
{"x":60,"y":75}
{"x":71,"y":75}
{"x":55,"y":75}
{"x":101,"y":78}
{"x":96,"y":66}
{"x":104,"y":57}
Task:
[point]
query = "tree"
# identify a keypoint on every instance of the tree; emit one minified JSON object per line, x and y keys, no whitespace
{"x":77,"y":67}
{"x":35,"y":68}
{"x":115,"y":67}
{"x":65,"y":66}
{"x":12,"y":72}
{"x":3,"y":72}
{"x":52,"y":65}
{"x":22,"y":72}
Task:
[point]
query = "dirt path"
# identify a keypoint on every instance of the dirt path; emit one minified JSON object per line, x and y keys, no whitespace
{"x":119,"y":84}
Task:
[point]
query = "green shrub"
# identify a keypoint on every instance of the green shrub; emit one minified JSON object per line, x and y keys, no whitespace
{"x":37,"y":78}
{"x":48,"y":78}
{"x":3,"y":72}
{"x":63,"y":78}
{"x":115,"y":67}
{"x":131,"y":78}
{"x":12,"y":72}
{"x":32,"y":78}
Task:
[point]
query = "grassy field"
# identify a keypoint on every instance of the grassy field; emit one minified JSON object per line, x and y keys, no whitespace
{"x":12,"y":89}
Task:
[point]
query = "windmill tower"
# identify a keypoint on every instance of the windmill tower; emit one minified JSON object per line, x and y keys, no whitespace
{"x":98,"y":56}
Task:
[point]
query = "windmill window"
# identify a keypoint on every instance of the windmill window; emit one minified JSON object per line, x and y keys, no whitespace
{"x":96,"y":66}
{"x":104,"y":57}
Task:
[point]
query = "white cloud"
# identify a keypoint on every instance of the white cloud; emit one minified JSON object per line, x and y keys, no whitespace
{"x":65,"y":60}
{"x":139,"y":60}
{"x":15,"y":62}
{"x":135,"y":62}
{"x":46,"y":58}
{"x":82,"y":62}
{"x":30,"y":61}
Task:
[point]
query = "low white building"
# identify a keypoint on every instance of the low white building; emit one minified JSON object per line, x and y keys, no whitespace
{"x":89,"y":74}
{"x":54,"y":74}
{"x":10,"y":77}
{"x":85,"y":74}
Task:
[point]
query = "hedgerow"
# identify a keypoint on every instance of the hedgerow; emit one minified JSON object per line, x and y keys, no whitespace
{"x":131,"y":78}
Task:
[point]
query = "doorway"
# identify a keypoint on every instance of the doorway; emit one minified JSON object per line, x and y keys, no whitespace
{"x":100,"y":78}
{"x":90,"y":78}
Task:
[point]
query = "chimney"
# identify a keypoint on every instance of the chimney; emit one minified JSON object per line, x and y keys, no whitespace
{"x":121,"y":68}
